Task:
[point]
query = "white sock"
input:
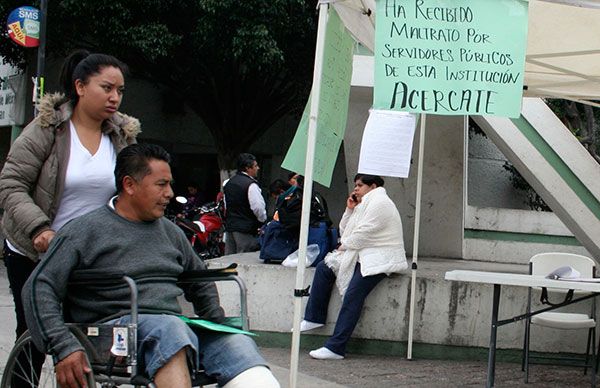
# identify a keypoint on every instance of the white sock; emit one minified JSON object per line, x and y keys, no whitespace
{"x":255,"y":377}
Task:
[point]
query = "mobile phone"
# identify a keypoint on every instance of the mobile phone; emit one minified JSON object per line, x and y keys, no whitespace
{"x":354,"y":198}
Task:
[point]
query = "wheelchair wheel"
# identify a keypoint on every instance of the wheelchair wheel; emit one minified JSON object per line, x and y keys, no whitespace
{"x":24,"y":369}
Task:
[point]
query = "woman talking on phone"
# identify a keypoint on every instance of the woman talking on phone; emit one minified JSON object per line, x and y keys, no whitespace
{"x":62,"y":165}
{"x":371,"y":247}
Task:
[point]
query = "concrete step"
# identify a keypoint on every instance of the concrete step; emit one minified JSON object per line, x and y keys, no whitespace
{"x":446,"y":313}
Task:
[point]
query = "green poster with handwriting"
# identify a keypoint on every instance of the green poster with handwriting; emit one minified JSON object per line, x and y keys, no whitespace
{"x":333,"y":106}
{"x":450,"y":57}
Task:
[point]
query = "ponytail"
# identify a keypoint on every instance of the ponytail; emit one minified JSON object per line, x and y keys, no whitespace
{"x":81,"y":65}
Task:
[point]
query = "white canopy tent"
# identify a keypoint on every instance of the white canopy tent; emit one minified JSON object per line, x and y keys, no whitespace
{"x":562,"y":61}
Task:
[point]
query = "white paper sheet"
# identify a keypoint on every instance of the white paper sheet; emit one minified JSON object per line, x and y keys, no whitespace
{"x":387,"y":142}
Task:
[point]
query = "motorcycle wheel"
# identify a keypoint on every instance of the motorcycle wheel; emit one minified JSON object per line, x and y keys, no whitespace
{"x":214,"y":251}
{"x":201,"y":251}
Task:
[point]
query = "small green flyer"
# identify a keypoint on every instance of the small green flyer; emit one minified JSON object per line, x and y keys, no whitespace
{"x":208,"y":325}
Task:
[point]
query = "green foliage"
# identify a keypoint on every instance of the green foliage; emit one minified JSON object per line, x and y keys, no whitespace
{"x":474,"y":129}
{"x":582,"y":120}
{"x":241,"y":65}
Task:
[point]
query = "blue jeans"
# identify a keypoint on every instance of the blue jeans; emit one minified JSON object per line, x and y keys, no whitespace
{"x":352,"y":304}
{"x":223,"y":356}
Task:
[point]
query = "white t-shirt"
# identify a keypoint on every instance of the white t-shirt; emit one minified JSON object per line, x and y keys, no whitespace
{"x":89,"y":181}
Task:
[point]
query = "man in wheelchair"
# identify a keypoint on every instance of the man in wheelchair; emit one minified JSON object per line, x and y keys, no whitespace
{"x":130,"y":236}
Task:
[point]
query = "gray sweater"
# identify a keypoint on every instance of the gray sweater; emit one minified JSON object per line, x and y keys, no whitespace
{"x":106,"y":243}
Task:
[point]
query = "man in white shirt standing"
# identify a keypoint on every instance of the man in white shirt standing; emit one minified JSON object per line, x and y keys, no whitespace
{"x":245,"y":207}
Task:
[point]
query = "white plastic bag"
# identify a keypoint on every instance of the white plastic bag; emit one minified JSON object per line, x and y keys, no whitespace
{"x":312,"y":251}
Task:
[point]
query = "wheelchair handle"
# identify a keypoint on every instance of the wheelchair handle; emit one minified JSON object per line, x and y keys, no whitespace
{"x":134,"y":301}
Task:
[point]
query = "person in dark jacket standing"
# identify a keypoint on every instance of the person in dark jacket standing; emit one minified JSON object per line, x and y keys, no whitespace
{"x":245,"y":207}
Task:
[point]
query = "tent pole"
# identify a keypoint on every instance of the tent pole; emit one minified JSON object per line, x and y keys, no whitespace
{"x":307,"y":190}
{"x":413,"y":280}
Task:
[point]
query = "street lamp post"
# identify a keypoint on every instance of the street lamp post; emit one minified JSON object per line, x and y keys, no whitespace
{"x":38,"y":86}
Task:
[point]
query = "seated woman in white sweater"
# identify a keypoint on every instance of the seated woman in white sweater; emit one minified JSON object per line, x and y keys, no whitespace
{"x":371,"y":247}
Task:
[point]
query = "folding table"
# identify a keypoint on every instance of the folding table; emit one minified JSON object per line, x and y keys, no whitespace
{"x":499,"y":279}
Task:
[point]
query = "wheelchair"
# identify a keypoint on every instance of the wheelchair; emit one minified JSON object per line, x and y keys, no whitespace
{"x":23,"y":370}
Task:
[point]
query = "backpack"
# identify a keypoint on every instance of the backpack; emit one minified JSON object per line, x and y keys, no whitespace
{"x":290,"y":211}
{"x":281,"y":238}
{"x":276,"y":242}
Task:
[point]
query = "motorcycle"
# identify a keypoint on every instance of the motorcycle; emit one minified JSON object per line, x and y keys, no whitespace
{"x":204,"y":227}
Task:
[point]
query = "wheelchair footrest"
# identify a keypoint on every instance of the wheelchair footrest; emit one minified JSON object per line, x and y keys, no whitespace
{"x":140,"y":380}
{"x":201,"y":379}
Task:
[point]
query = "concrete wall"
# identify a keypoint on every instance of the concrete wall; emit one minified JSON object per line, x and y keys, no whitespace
{"x":555,"y":164}
{"x":446,"y":313}
{"x":448,"y":179}
{"x":514,"y":236}
{"x":443,"y":191}
{"x":488,"y":182}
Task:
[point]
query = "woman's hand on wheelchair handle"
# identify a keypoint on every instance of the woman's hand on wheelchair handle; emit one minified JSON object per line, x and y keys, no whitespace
{"x":71,"y":370}
{"x":42,"y":240}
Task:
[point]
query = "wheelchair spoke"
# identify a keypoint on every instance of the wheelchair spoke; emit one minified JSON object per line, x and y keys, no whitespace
{"x":47,"y":380}
{"x":34,"y":377}
{"x":22,"y":377}
{"x":24,"y":371}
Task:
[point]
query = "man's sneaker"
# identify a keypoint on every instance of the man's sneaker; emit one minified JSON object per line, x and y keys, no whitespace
{"x":308,"y":325}
{"x":325,"y":354}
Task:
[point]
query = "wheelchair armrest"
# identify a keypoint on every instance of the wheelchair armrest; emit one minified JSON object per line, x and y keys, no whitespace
{"x":96,"y":277}
{"x":208,"y":273}
{"x":228,"y":273}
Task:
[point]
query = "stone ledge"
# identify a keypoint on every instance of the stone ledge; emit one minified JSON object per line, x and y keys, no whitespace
{"x":428,"y":267}
{"x":446,"y":313}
